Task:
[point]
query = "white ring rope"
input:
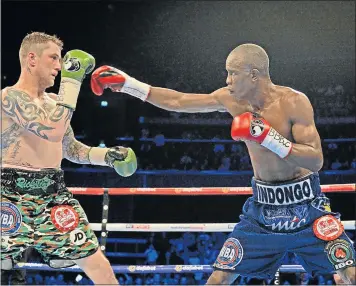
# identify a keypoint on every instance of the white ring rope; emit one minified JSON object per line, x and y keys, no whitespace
{"x":182,"y":227}
{"x":140,"y":269}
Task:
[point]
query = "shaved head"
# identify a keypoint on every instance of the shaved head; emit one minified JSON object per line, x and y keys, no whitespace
{"x":250,"y":56}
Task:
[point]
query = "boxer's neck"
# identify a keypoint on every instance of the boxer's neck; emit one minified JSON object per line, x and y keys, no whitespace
{"x":264,"y":95}
{"x":30,"y":84}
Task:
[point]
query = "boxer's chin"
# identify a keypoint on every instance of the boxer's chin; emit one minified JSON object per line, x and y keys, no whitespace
{"x":50,"y":83}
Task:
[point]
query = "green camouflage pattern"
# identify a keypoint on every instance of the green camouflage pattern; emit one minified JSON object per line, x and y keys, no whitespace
{"x":37,"y":229}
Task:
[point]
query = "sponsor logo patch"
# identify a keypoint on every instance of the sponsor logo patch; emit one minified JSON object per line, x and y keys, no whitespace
{"x":293,"y":224}
{"x":33,"y":184}
{"x":322,"y":203}
{"x":285,"y":218}
{"x":64,"y":217}
{"x":11,"y":219}
{"x":230,"y":255}
{"x":77,"y":237}
{"x":340,"y":254}
{"x":71,"y":64}
{"x":256,"y":127}
{"x":327,"y":228}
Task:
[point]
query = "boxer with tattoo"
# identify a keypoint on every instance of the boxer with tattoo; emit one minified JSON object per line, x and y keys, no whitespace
{"x":37,"y":210}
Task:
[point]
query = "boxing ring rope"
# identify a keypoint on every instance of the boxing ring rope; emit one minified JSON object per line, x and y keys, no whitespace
{"x":194,"y":191}
{"x":149,"y":269}
{"x":182,"y":227}
{"x":104,"y":227}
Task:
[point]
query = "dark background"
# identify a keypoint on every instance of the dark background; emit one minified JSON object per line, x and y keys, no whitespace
{"x":309,"y":44}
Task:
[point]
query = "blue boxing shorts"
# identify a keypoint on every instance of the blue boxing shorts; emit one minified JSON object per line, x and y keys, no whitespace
{"x":289,"y":217}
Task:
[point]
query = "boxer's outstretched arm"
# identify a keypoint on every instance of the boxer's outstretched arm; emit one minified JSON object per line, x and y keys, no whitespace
{"x":306,"y":152}
{"x":118,"y":81}
{"x":19,"y":106}
{"x":172,"y":100}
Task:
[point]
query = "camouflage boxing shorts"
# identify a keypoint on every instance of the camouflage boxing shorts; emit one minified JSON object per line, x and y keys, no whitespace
{"x":37,"y":210}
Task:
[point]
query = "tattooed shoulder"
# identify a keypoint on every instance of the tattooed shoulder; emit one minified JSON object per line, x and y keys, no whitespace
{"x":20,"y":105}
{"x":40,"y":119}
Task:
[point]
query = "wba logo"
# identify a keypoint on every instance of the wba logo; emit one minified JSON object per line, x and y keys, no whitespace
{"x":230,"y":255}
{"x":288,"y":225}
{"x":10,"y":218}
{"x":227,"y":253}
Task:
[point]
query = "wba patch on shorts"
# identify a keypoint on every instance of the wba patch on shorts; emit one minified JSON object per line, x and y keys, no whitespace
{"x":11,"y":219}
{"x":230,"y":255}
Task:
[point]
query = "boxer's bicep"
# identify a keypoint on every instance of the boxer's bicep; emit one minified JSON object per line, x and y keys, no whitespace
{"x":201,"y":103}
{"x":73,"y":150}
{"x":303,"y":126}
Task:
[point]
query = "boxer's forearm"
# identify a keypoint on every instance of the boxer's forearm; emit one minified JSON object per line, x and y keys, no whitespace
{"x":306,"y":157}
{"x":172,"y":100}
{"x":73,"y":150}
{"x":79,"y":153}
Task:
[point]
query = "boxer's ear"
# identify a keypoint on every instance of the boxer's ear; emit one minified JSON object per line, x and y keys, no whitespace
{"x":31,"y":58}
{"x":255,"y":73}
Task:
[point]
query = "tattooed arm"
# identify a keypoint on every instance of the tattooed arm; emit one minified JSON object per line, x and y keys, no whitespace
{"x":19,"y":106}
{"x":73,"y":150}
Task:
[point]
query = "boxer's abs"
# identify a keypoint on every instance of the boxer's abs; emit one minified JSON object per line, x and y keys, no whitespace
{"x":268,"y":167}
{"x":24,"y":150}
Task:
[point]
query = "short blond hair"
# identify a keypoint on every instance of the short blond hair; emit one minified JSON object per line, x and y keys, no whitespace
{"x":36,"y":41}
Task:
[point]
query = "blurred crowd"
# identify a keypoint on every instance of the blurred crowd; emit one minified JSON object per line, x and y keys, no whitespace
{"x":155,"y":153}
{"x":332,"y":101}
{"x":160,"y":155}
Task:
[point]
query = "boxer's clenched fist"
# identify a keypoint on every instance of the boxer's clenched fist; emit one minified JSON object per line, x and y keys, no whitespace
{"x":122,"y":159}
{"x":250,"y":127}
{"x":118,"y":81}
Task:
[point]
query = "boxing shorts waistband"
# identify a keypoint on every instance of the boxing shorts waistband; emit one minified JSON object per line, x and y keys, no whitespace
{"x":286,"y":193}
{"x":46,"y":181}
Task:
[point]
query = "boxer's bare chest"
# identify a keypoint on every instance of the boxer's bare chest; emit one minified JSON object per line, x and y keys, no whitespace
{"x":267,"y":166}
{"x":22,"y":148}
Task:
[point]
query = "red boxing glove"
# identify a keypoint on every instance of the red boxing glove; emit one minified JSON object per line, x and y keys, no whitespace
{"x":105,"y":77}
{"x":118,"y":81}
{"x":249,"y":126}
